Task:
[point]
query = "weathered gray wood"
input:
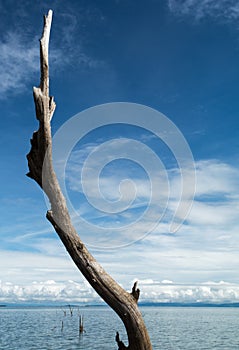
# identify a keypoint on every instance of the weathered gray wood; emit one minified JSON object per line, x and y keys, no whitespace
{"x":40,"y":163}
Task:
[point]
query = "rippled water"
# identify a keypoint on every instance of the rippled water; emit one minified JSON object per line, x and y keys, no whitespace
{"x":169,"y":328}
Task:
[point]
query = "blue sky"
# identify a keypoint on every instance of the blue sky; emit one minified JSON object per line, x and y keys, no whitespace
{"x":177,"y":57}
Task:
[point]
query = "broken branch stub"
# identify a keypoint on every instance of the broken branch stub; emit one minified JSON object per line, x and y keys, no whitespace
{"x":42,"y":171}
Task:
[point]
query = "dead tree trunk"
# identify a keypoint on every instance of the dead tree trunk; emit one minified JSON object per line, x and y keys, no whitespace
{"x":39,"y":162}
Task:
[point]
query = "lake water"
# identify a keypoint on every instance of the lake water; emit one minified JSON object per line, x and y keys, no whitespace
{"x":169,"y":328}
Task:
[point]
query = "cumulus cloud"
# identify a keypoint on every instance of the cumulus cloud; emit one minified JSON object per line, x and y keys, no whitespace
{"x":224,"y":9}
{"x":49,"y":290}
{"x":208,"y":292}
{"x":151,"y":291}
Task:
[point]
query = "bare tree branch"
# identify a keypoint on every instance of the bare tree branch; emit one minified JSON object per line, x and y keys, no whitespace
{"x":41,"y":170}
{"x":135,"y":291}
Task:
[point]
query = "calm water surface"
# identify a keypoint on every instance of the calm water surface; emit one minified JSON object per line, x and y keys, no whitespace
{"x":169,"y":328}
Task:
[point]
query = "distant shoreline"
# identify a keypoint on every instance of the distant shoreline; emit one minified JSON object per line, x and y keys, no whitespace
{"x":161,"y":304}
{"x":196,"y":304}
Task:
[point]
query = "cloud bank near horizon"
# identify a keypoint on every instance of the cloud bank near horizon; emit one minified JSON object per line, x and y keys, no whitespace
{"x":151,"y":292}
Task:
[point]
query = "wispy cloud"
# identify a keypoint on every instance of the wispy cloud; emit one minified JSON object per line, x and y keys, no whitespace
{"x":17,"y":63}
{"x":213,"y":217}
{"x":23,"y":267}
{"x":19,"y":54}
{"x":211,"y":225}
{"x":217,"y":181}
{"x":205,"y":247}
{"x":226,"y":10}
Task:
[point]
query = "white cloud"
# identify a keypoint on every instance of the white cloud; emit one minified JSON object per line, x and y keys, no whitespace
{"x":213,"y":214}
{"x":215,"y":177}
{"x":212,"y":223}
{"x":19,"y":60}
{"x":215,"y":198}
{"x":219,"y":214}
{"x":49,"y":290}
{"x":209,"y":292}
{"x":151,"y":291}
{"x":223,"y":9}
{"x":28,"y":266}
{"x":205,"y":248}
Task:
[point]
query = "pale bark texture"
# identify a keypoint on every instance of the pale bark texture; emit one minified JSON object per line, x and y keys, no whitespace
{"x":39,"y":162}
